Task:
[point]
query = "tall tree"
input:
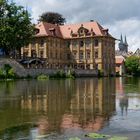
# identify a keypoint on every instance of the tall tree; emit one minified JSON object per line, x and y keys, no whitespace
{"x":52,"y":17}
{"x":16,"y":28}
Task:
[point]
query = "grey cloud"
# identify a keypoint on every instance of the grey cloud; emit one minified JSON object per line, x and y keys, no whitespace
{"x":120,"y":16}
{"x":104,"y":11}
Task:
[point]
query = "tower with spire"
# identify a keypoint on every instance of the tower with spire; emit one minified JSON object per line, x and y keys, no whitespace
{"x":123,"y":45}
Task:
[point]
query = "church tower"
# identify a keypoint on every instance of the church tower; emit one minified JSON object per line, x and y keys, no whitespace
{"x":123,"y":45}
{"x":126,"y":44}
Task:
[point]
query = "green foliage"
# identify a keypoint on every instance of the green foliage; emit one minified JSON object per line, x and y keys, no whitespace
{"x":59,"y":74}
{"x":42,"y":77}
{"x":100,"y":73}
{"x":118,"y":138}
{"x":133,"y":65}
{"x":15,"y":26}
{"x":11,"y":73}
{"x":102,"y":136}
{"x":2,"y":74}
{"x":76,"y":138}
{"x":52,"y":17}
{"x":7,"y":72}
{"x":11,"y":131}
{"x":97,"y":136}
{"x":70,"y":74}
{"x":6,"y":68}
{"x":62,"y":74}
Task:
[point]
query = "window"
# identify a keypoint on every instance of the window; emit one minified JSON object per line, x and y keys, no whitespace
{"x":96,"y":54}
{"x":56,"y":43}
{"x":25,"y":54}
{"x":56,"y":55}
{"x":41,"y":54}
{"x":33,"y":53}
{"x":51,"y":43}
{"x":96,"y":43}
{"x":74,"y":55}
{"x":96,"y":66}
{"x":33,"y":44}
{"x":81,"y":31}
{"x":74,"y":43}
{"x":81,"y":43}
{"x":50,"y":54}
{"x":68,"y":56}
{"x":88,"y":55}
{"x":81,"y":55}
{"x":42,"y":43}
{"x":87,"y":43}
{"x":68,"y":44}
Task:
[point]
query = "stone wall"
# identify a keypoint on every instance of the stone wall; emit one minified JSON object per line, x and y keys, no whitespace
{"x":18,"y":69}
{"x":22,"y":72}
{"x":78,"y":72}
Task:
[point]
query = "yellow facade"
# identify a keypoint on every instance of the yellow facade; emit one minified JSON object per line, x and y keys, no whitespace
{"x":77,"y":52}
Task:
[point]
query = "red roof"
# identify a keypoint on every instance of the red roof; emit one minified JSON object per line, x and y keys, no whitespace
{"x":119,"y":60}
{"x":64,"y":31}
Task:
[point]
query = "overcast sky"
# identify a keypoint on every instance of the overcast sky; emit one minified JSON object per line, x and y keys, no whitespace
{"x":120,"y":16}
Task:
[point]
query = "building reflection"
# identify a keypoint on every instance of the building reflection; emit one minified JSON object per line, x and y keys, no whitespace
{"x":122,"y":96}
{"x":83,"y":103}
{"x":92,"y":105}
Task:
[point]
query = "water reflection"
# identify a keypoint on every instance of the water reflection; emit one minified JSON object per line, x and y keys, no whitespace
{"x":122,"y":96}
{"x":86,"y":104}
{"x":40,"y":132}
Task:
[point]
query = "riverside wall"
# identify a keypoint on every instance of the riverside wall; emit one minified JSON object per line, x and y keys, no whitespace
{"x":23,"y":72}
{"x":78,"y":73}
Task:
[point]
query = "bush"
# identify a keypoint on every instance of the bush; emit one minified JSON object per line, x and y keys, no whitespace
{"x":100,"y":73}
{"x":132,"y":64}
{"x":70,"y":74}
{"x":59,"y":74}
{"x":7,"y":72}
{"x":11,"y":73}
{"x":42,"y":77}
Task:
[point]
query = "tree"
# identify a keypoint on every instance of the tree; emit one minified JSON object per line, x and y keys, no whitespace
{"x":52,"y":17}
{"x":16,"y":28}
{"x":133,"y":65}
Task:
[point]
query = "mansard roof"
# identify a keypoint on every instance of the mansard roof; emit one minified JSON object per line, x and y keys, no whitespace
{"x":66,"y":31}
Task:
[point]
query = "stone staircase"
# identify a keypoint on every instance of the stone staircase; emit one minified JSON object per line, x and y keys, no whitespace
{"x":17,"y":67}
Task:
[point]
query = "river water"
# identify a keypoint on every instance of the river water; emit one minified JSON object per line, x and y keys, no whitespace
{"x":70,"y":108}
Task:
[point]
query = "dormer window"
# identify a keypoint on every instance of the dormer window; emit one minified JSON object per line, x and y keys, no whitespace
{"x":105,"y":31}
{"x":36,"y":31}
{"x":52,"y":30}
{"x":81,"y":31}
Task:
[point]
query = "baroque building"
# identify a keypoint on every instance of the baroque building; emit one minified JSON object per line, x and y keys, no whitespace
{"x":78,"y":46}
